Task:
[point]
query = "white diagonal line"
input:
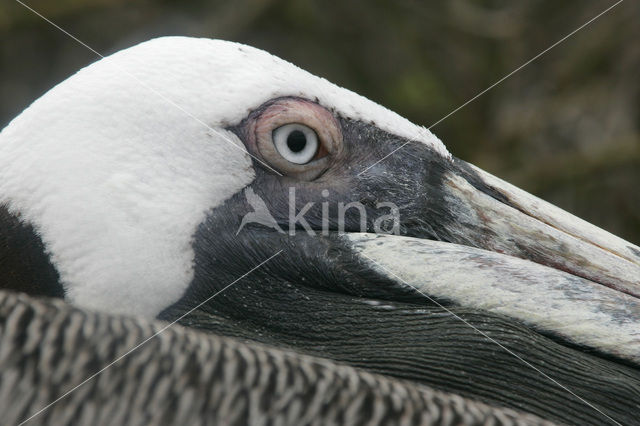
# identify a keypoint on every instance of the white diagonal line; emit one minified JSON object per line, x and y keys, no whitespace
{"x":387,"y":156}
{"x":501,"y":80}
{"x":527,"y":63}
{"x":154,"y":91}
{"x":145,"y":341}
{"x":494,"y":341}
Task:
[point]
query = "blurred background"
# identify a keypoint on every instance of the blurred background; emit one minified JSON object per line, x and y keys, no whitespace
{"x":566,"y":127}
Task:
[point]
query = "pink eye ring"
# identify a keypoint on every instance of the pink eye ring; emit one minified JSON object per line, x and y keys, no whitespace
{"x":295,"y":136}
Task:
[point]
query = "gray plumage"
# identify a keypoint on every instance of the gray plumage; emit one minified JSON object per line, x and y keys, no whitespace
{"x":186,"y":377}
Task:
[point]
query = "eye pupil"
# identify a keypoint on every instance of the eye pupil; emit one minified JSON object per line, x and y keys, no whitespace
{"x":296,"y":141}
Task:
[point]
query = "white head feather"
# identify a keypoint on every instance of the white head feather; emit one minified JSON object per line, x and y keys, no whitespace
{"x":116,"y":166}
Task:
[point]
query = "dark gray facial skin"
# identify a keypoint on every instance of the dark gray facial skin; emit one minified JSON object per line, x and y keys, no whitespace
{"x":318,"y":297}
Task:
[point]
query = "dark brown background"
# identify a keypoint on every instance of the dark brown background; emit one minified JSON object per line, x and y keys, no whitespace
{"x":566,"y":127}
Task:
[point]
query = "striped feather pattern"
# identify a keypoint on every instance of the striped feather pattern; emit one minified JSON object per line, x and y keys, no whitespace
{"x":185,"y":377}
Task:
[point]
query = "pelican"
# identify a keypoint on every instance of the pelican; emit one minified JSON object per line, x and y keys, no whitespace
{"x":181,"y":169}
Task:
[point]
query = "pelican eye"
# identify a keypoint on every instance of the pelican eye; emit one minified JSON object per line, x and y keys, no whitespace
{"x":296,"y":137}
{"x":296,"y":142}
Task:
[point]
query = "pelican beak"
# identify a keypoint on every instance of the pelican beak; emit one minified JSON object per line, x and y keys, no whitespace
{"x":503,"y":250}
{"x":500,"y":217}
